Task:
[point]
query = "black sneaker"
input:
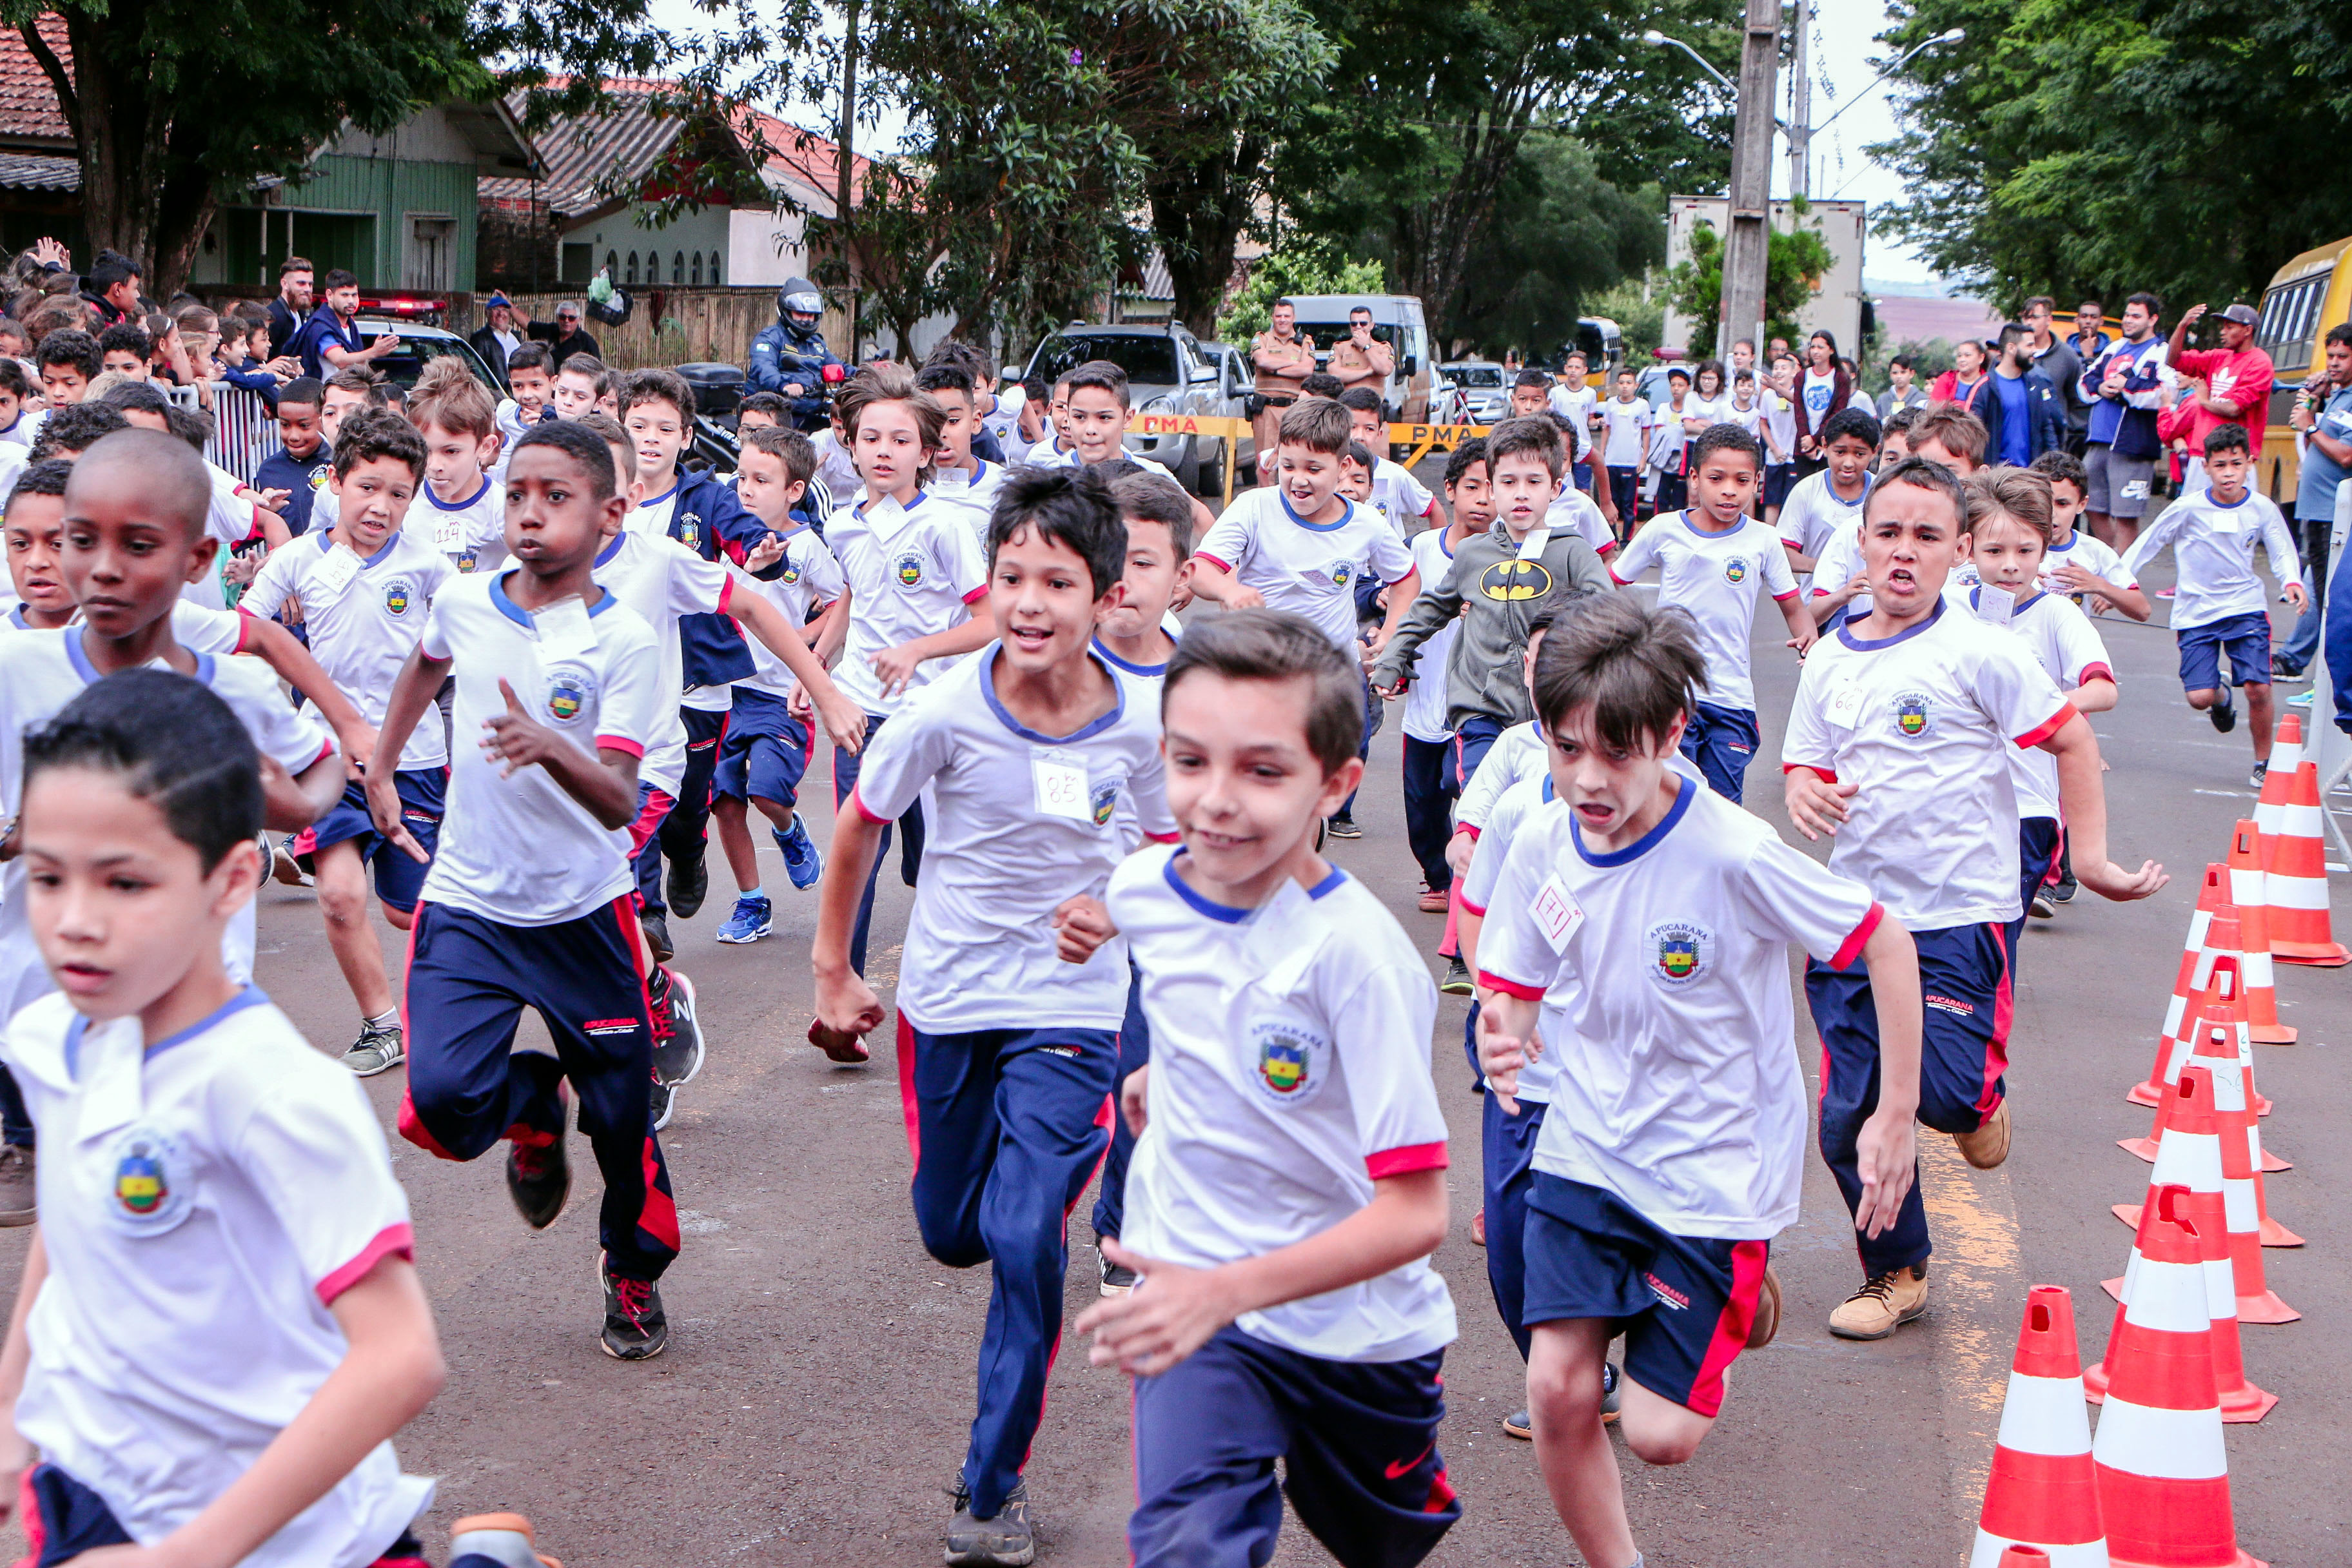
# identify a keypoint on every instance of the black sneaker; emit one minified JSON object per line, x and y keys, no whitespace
{"x":1345,"y":828}
{"x":2043,"y":907}
{"x":1006,"y":1541}
{"x":635,"y":1327}
{"x":2063,"y":892}
{"x":678,"y":1036}
{"x":2262,"y":771}
{"x":1117,"y":1279}
{"x":656,"y":932}
{"x":539,"y":1180}
{"x":1457,"y":981}
{"x":689,"y":883}
{"x":1609,"y":1381}
{"x":664,"y":1103}
{"x":2225,"y":712}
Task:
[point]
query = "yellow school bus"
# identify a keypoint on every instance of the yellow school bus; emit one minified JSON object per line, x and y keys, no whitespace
{"x":2306,"y":297}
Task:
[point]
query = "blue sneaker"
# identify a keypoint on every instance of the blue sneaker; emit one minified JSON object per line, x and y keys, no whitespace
{"x":801,"y":861}
{"x":2301,"y":699}
{"x":750,"y":922}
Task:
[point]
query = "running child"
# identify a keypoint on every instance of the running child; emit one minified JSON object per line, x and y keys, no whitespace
{"x":1430,"y":785}
{"x":1625,"y":421}
{"x":1653,"y":1215}
{"x":1897,"y":747}
{"x":2220,"y":606}
{"x":529,"y":901}
{"x":2078,"y":563}
{"x":960,"y":482}
{"x":365,"y":587}
{"x":1572,"y":509}
{"x":531,"y":378}
{"x":1289,"y":1175}
{"x":1820,"y":506}
{"x":1091,"y":411}
{"x":582,"y":383}
{"x":1007,"y":1053}
{"x":230,"y":1276}
{"x":464,"y":506}
{"x":764,"y":754}
{"x":1714,"y":566}
{"x":1405,"y":499}
{"x":1667,"y":440}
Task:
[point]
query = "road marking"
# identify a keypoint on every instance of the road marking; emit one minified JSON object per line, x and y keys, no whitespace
{"x":2229,"y":793}
{"x":1979,"y":1294}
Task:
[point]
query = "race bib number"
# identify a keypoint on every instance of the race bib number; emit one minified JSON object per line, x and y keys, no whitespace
{"x":334,"y":574}
{"x":1061,"y":787}
{"x":1557,"y":913}
{"x":564,"y":629}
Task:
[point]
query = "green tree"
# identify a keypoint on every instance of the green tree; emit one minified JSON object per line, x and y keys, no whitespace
{"x":1305,"y":266}
{"x":1559,"y":234}
{"x":1640,"y":312}
{"x":1796,"y":262}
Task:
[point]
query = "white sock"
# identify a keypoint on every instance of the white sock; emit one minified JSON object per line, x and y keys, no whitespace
{"x":388,"y":1019}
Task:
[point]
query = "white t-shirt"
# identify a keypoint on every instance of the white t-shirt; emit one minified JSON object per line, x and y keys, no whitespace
{"x":230,"y":517}
{"x":835,"y":468}
{"x":1306,"y":568}
{"x":1573,"y":509}
{"x":324,"y":508}
{"x":971,"y":497}
{"x":1015,"y":822}
{"x":1519,"y":753}
{"x":521,"y":851}
{"x":1048,"y":456}
{"x":1396,"y":492}
{"x":1424,"y":701}
{"x":912,"y":571}
{"x":1819,"y":391}
{"x":2213,"y":553}
{"x":2063,"y":641}
{"x":207,"y":1199}
{"x":472,"y":534}
{"x":1289,"y":1072}
{"x":1624,"y":432}
{"x":1145,"y":684}
{"x":2096,"y":556}
{"x":652,"y":515}
{"x":1750,"y":418}
{"x":661,"y":581}
{"x":810,"y":581}
{"x":1663,"y":974}
{"x":1708,"y":411}
{"x":1574,"y":404}
{"x":363,"y":615}
{"x":1923,"y":721}
{"x":1781,"y":419}
{"x":1004,"y":421}
{"x":1477,"y":891}
{"x":1814,"y":510}
{"x":1840,"y":563}
{"x":1716,"y":577}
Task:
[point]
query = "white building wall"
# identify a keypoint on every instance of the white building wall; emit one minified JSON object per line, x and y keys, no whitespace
{"x":764,"y":249}
{"x":629,"y":232}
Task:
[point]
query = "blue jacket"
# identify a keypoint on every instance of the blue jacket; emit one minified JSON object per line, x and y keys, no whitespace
{"x":708,"y":520}
{"x":309,"y":343}
{"x":2047,"y":414}
{"x":781,"y":355}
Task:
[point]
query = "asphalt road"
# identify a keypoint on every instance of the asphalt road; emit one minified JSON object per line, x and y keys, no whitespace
{"x":818,"y":1384}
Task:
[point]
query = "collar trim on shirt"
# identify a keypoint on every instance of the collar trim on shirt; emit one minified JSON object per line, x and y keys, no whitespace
{"x":1292,"y":512}
{"x":1976,"y":596}
{"x":1685,"y":515}
{"x":474,"y":500}
{"x":677,"y":485}
{"x":605,"y":556}
{"x":392,"y":542}
{"x":522,"y":617}
{"x":90,"y":675}
{"x":2228,"y":505}
{"x":251,"y":996}
{"x":1685,"y":791}
{"x":1154,"y":670}
{"x":1093,"y":727}
{"x":1871,"y":644}
{"x":1227,"y":913}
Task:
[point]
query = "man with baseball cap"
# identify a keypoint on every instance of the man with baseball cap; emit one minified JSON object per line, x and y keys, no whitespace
{"x":498,"y":337}
{"x":2228,"y":385}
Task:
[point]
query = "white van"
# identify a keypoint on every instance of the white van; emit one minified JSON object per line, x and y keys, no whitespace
{"x":1397,"y":321}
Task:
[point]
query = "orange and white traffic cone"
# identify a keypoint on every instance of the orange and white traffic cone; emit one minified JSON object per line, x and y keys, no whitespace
{"x":2242,"y":1199}
{"x":2186,"y":987}
{"x":2247,"y":892}
{"x":2239,"y":1127}
{"x":2296,"y":881}
{"x":2043,"y":1495}
{"x":2270,"y":809}
{"x":2162,"y":1469}
{"x":2224,"y":999}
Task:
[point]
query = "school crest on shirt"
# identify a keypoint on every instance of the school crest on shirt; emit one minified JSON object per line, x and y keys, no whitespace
{"x":1510,"y":581}
{"x":908,"y":569}
{"x":570,"y":692}
{"x":148,"y":1191}
{"x":791,"y":574}
{"x":1341,"y":572}
{"x":1291,"y":1060}
{"x":688,"y":529}
{"x":468,"y":560}
{"x":1105,"y":798}
{"x":1682,"y":951}
{"x":398,"y":596}
{"x":1736,"y":569}
{"x":1914,"y":715}
{"x":319,"y":477}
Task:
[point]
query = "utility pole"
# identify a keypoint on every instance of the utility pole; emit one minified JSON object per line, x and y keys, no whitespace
{"x":842,"y":194}
{"x":1801,"y":105}
{"x":1744,"y":248}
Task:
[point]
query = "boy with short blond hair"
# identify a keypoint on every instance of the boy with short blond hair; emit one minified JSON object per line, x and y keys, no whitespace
{"x":465,"y":506}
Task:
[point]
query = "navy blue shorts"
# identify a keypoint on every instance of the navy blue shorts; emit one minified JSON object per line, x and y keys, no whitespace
{"x":1685,"y":1303}
{"x":1471,"y":744}
{"x":764,"y":752}
{"x":1721,"y":743}
{"x":62,"y":1518}
{"x":2246,"y":638}
{"x":1358,"y":1441}
{"x":2040,"y":840}
{"x":1777,"y":478}
{"x":398,"y":877}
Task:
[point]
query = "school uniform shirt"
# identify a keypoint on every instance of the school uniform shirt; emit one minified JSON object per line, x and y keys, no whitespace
{"x":1145,"y":683}
{"x":1309,"y":569}
{"x":1395,"y":491}
{"x":324,"y":512}
{"x":1424,"y":701}
{"x":208,"y":1199}
{"x":1048,"y":453}
{"x":1574,"y":404}
{"x":1054,"y":458}
{"x":2096,"y":556}
{"x":231,"y":516}
{"x":514,"y":424}
{"x":301,"y":477}
{"x":520,"y":851}
{"x":20,"y":430}
{"x":363,"y":615}
{"x":1716,"y":577}
{"x":653,"y":514}
{"x":1666,"y":436}
{"x":1519,"y":753}
{"x":1923,"y":723}
{"x":1003,"y":419}
{"x":2213,"y":553}
{"x":810,"y":581}
{"x":40,"y":672}
{"x":1289,"y":1073}
{"x":1478,"y":885}
{"x":661,"y":582}
{"x":1624,"y":433}
{"x":1814,"y":510}
{"x":971,"y":497}
{"x":2063,"y":641}
{"x":1750,"y":418}
{"x":471,"y":533}
{"x":1015,"y":822}
{"x":1840,"y":563}
{"x":912,"y":571}
{"x":1663,"y":972}
{"x":835,"y":468}
{"x":1780,"y":419}
{"x":1573,"y":509}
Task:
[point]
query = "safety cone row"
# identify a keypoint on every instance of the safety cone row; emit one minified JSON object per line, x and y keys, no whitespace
{"x":2224,"y":990}
{"x":2186,"y":987}
{"x":2295,"y":878}
{"x":2249,"y":891}
{"x":2158,"y":1458}
{"x":2286,"y":755}
{"x":2222,"y":1049}
{"x":2042,"y":1495}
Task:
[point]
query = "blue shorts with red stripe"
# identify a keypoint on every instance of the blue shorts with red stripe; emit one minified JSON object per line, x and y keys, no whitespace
{"x":399,"y":876}
{"x":2039,"y":842}
{"x":1685,"y":1303}
{"x":764,"y":752}
{"x":1357,"y":1439}
{"x":1964,"y":975}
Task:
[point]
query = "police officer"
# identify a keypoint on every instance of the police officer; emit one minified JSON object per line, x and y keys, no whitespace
{"x":789,"y":358}
{"x":1282,"y":360}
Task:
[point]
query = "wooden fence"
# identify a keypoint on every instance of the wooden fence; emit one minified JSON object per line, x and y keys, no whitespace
{"x":673,"y":326}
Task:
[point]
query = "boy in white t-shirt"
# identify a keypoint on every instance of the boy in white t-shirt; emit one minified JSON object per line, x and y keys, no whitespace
{"x":1820,"y":505}
{"x":1429,"y":784}
{"x":529,"y":901}
{"x":226,"y":1269}
{"x":1666,"y":442}
{"x":2078,"y":563}
{"x":1897,"y":747}
{"x":962,"y":483}
{"x":1007,"y":1054}
{"x":1638,"y":938}
{"x":1779,"y":435}
{"x":464,"y":508}
{"x":531,"y":376}
{"x":1406,"y":501}
{"x":917,"y":587}
{"x":1713,"y":559}
{"x":1572,"y":399}
{"x":1625,"y":422}
{"x":365,"y":586}
{"x":1290,"y":1176}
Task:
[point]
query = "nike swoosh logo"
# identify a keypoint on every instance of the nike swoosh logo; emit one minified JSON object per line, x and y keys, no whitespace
{"x":1398,"y":1468}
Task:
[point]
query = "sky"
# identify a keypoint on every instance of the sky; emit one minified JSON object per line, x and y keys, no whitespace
{"x":1844,"y":59}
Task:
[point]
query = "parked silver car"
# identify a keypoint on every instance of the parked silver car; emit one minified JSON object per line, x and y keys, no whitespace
{"x":1168,"y":370}
{"x":1484,"y":388}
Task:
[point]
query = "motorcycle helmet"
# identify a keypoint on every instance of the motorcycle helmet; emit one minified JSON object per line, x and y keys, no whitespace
{"x":799,"y":297}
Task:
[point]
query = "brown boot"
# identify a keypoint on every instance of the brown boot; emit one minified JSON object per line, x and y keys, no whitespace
{"x":1884,"y":1304}
{"x":1987,"y":1146}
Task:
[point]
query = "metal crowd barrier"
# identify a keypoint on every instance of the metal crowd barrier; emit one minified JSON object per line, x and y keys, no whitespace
{"x":245,"y":431}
